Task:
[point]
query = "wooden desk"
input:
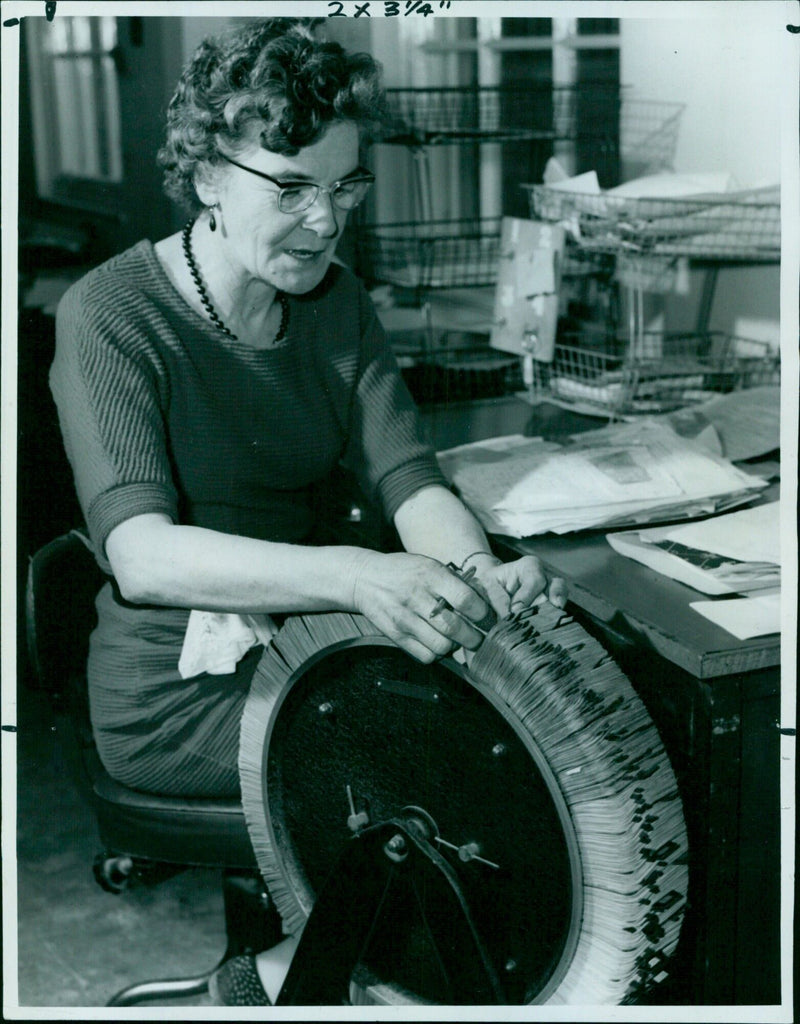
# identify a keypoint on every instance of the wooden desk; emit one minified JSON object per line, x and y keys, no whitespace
{"x":715,"y":700}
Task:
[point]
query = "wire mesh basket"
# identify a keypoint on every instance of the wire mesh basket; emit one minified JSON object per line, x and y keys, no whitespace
{"x":433,"y":254}
{"x":454,"y":114}
{"x":660,"y":374}
{"x":598,"y":113}
{"x":446,"y":254}
{"x":469,"y":375}
{"x":743,"y":225}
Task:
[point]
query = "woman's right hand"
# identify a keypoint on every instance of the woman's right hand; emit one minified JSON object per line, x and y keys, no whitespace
{"x":398,"y":593}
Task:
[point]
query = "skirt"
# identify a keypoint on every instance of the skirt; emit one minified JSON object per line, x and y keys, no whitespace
{"x":155,"y":731}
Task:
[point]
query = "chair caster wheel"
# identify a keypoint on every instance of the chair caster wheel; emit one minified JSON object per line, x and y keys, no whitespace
{"x":113,"y":873}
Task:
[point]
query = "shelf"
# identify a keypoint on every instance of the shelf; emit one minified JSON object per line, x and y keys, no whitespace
{"x":653,"y":374}
{"x":433,"y":254}
{"x":445,"y":254}
{"x":598,"y":113}
{"x":742,"y":226}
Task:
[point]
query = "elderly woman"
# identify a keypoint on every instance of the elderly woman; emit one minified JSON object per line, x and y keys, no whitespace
{"x":208,"y":383}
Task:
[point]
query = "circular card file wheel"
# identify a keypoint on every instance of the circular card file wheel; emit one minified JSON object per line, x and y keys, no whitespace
{"x":536,"y":776}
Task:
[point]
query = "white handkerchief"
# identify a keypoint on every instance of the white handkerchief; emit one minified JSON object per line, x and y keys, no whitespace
{"x":215,"y":641}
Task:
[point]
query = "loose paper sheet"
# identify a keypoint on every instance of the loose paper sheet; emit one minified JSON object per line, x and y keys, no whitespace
{"x":749,"y":535}
{"x":748,"y":422}
{"x":744,"y":617}
{"x":699,"y":554}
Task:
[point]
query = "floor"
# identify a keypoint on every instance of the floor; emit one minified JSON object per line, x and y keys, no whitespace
{"x":78,"y":945}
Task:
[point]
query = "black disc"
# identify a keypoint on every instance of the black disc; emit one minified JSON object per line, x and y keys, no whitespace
{"x":391,"y":732}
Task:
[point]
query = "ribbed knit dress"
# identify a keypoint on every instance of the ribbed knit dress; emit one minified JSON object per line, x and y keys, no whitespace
{"x":160,"y":412}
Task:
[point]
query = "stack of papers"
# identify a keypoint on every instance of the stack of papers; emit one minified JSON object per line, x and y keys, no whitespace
{"x":729,"y":554}
{"x":623,"y":475}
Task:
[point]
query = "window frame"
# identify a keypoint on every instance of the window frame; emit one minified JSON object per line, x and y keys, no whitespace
{"x":568,"y":37}
{"x":54,"y":184}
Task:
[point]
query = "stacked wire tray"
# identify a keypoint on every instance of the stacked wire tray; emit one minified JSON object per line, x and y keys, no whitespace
{"x":455,"y":114}
{"x":605,"y":126}
{"x":446,"y":254}
{"x":743,"y":225}
{"x":643,"y":130}
{"x":656,"y":375}
{"x":432,"y":254}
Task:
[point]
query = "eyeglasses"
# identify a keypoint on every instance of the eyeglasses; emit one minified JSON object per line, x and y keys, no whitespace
{"x":296,"y":196}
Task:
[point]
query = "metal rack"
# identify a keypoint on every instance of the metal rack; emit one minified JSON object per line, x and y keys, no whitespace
{"x":743,"y":226}
{"x":469,"y":373}
{"x":618,"y":125}
{"x":430,"y":255}
{"x":660,"y":374}
{"x":598,"y":121}
{"x":646,"y":237}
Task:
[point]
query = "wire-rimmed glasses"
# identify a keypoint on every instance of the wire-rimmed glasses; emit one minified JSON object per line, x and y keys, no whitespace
{"x":297,"y":196}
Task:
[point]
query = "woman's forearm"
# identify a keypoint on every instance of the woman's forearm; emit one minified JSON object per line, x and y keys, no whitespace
{"x":436,"y":523}
{"x":157,"y":562}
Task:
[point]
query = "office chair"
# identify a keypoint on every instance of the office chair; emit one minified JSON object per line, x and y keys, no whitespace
{"x":145,"y":838}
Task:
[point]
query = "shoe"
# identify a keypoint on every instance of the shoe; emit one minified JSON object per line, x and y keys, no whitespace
{"x":236,"y":983}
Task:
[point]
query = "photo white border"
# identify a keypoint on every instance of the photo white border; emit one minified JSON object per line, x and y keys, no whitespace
{"x":787,"y":53}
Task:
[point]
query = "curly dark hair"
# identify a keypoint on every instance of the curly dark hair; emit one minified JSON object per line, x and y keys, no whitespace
{"x":272,"y":75}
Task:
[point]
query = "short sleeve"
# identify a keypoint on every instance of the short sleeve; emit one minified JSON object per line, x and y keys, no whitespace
{"x":110,"y":389}
{"x":386,"y":446}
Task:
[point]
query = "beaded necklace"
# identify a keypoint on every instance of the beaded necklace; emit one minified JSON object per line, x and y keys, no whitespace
{"x":207,"y":305}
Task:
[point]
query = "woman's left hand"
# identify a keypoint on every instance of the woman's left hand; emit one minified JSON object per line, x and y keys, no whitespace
{"x":513,"y":586}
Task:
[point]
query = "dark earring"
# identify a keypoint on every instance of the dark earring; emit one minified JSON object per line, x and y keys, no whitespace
{"x":212,"y":220}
